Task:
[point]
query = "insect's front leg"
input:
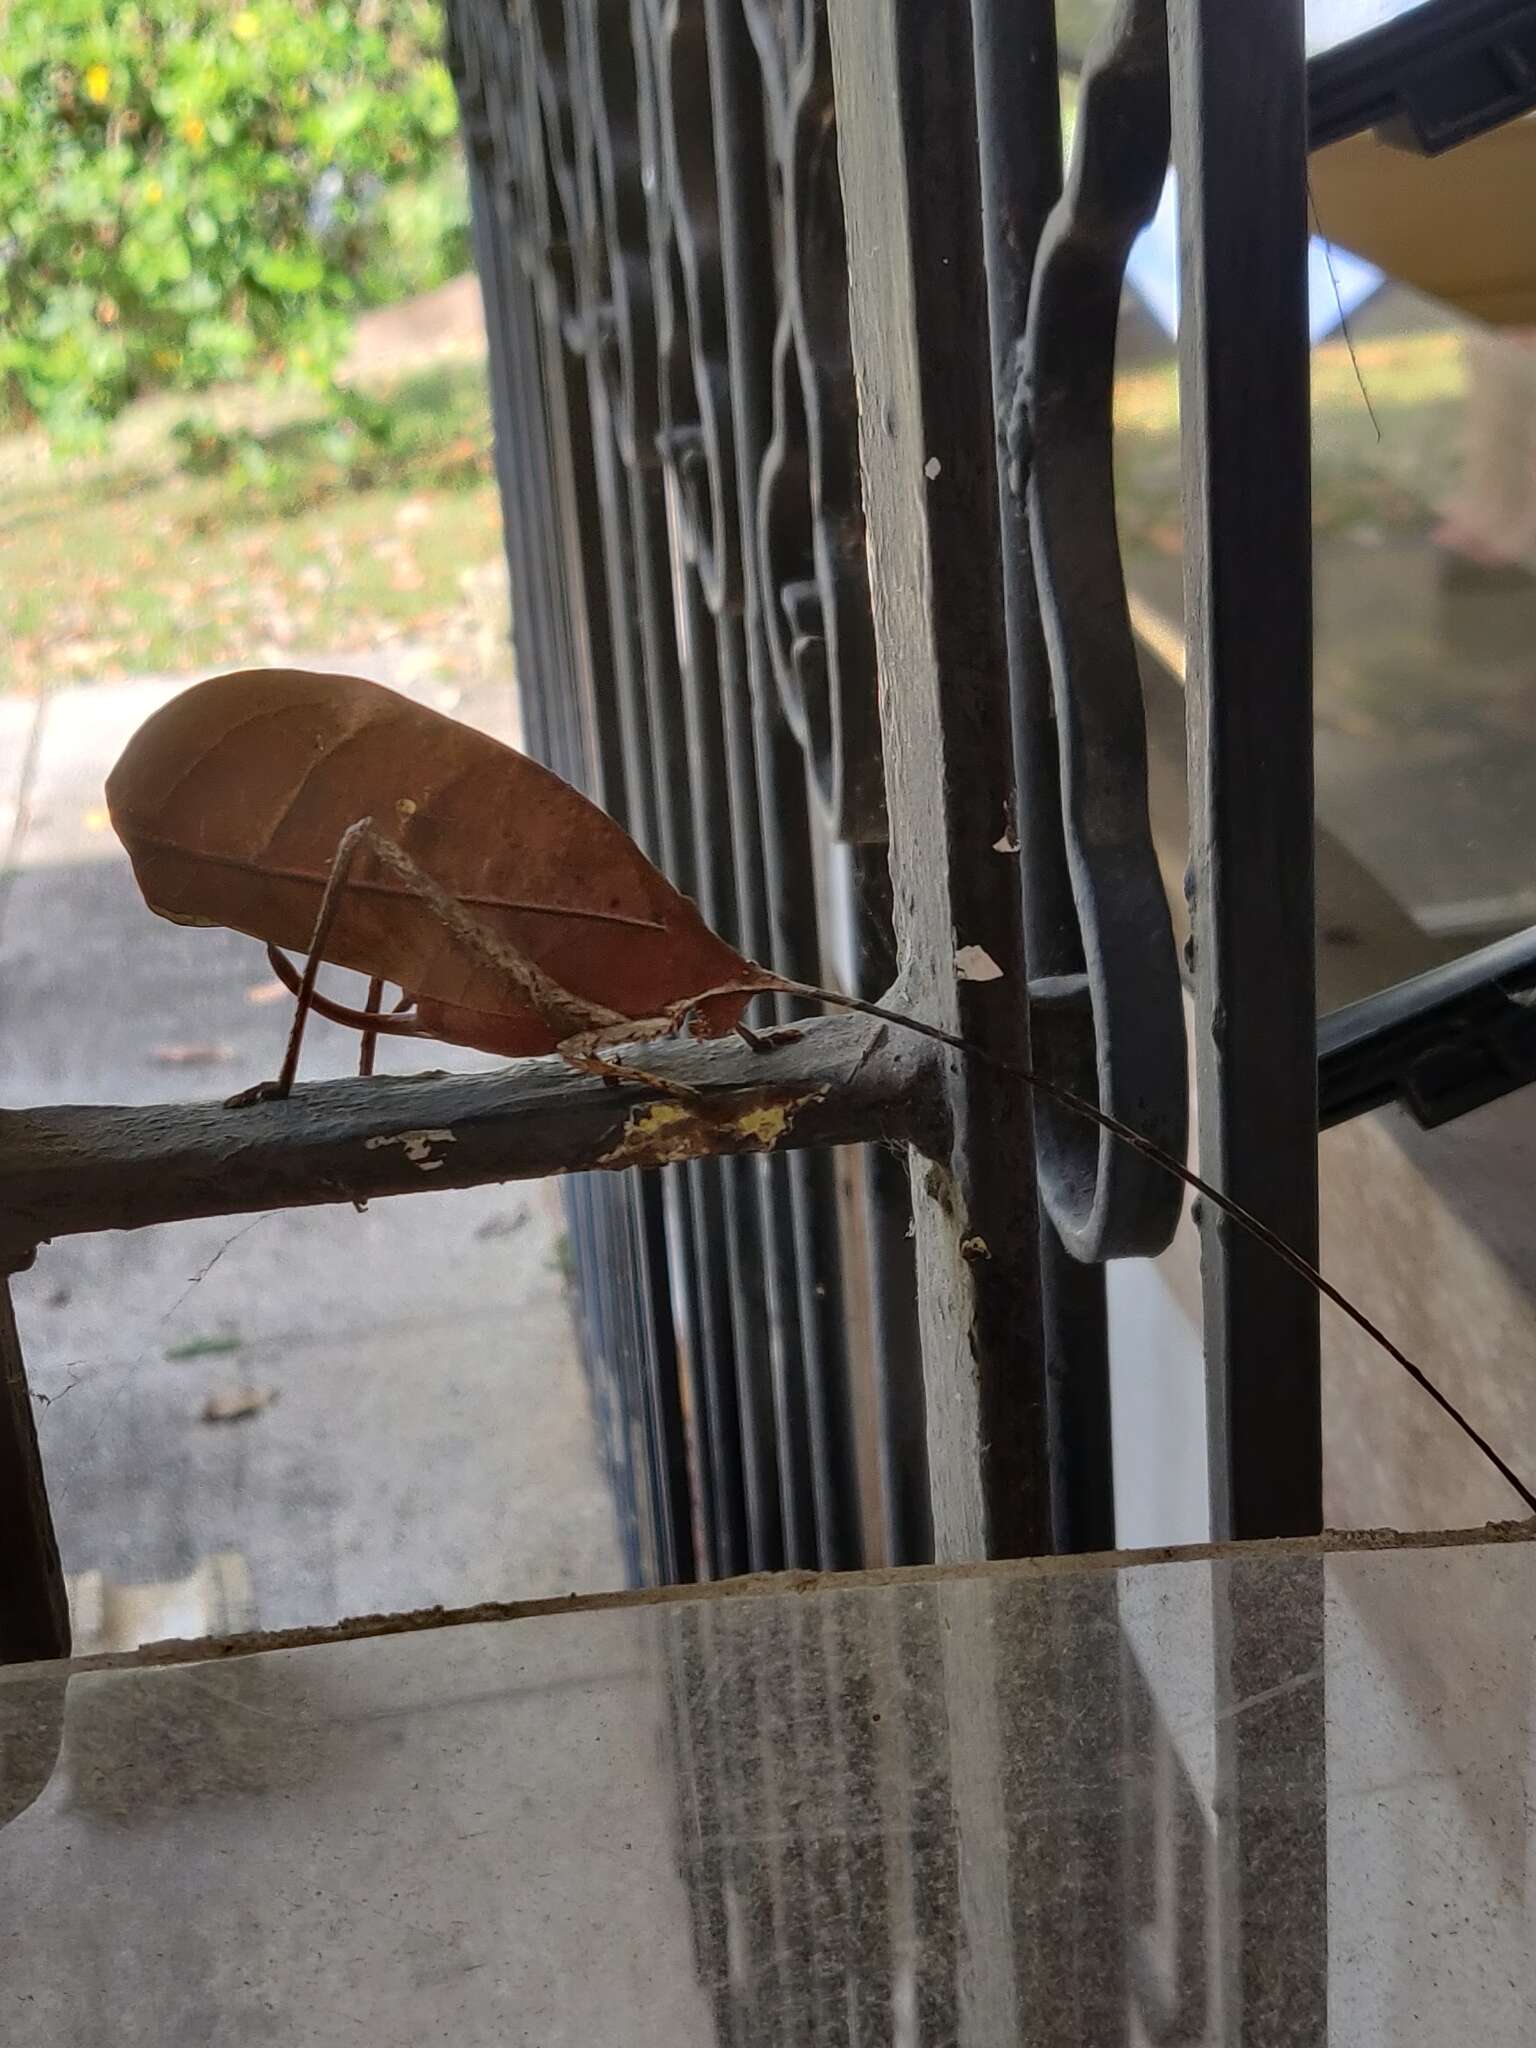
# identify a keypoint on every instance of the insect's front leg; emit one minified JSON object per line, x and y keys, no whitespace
{"x":347,"y":849}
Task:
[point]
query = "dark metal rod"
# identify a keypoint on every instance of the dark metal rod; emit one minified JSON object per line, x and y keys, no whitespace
{"x":568,"y":704}
{"x":1018,"y":117}
{"x":557,"y":623}
{"x":704,"y":678}
{"x":900,"y":1411}
{"x":1376,"y":76}
{"x":901,"y":1415}
{"x":1075,"y":1314}
{"x":1445,"y":1042}
{"x":701,"y":1200}
{"x":1239,"y":124}
{"x":34,"y":1607}
{"x":658,"y":1338}
{"x":799,"y":1233}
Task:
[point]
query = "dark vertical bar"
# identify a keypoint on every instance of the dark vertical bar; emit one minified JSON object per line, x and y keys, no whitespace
{"x":1075,"y":1317}
{"x":34,"y":1607}
{"x":633,"y":1254}
{"x":1239,"y":123}
{"x":800,"y":1247}
{"x":703,"y":664}
{"x":638,"y":1342}
{"x":1239,"y":126}
{"x":506,"y":314}
{"x":1018,"y":115}
{"x":647,"y":1270}
{"x":695,"y":1204}
{"x":541,"y":627}
{"x":570,"y":626}
{"x":901,"y":1419}
{"x":834,"y":1485}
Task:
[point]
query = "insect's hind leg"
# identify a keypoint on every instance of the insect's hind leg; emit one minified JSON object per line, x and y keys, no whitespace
{"x":347,"y":848}
{"x":370,"y":1040}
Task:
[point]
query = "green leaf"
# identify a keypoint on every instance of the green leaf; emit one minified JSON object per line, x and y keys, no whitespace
{"x":288,"y":270}
{"x":185,"y":199}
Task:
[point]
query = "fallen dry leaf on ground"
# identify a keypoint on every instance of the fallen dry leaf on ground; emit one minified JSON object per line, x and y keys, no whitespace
{"x":507,"y":1224}
{"x":191,"y":1055}
{"x":219,"y":1345}
{"x":237,"y":1403}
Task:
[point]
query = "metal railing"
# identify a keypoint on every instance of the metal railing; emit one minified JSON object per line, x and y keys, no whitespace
{"x":803,"y":376}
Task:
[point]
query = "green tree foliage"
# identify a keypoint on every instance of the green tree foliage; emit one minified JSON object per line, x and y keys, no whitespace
{"x":190,"y":190}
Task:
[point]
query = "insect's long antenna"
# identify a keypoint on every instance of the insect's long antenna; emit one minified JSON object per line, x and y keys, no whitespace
{"x":1078,"y":1105}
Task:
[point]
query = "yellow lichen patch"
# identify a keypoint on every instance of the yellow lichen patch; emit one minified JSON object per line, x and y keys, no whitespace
{"x":657,"y":1133}
{"x":767,"y":1123}
{"x":663,"y":1132}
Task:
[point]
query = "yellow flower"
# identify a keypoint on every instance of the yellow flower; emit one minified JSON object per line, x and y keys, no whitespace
{"x":98,"y":82}
{"x":246,"y":26}
{"x":154,"y":192}
{"x":193,"y":129}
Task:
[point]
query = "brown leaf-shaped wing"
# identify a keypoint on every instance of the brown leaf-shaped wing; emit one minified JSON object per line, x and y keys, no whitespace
{"x":232,"y":798}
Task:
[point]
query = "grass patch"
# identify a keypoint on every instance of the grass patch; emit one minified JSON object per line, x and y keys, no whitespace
{"x":252,"y":528}
{"x":1361,"y":485}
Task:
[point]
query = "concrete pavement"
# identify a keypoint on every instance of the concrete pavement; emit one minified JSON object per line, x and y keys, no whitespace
{"x":422,"y":1430}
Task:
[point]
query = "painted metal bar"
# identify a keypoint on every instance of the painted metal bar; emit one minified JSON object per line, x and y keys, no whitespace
{"x":901,"y":1415}
{"x":547,"y":450}
{"x":1019,"y":137}
{"x":799,"y":1238}
{"x":1239,"y":125}
{"x":1238,"y":89}
{"x":34,"y":1606}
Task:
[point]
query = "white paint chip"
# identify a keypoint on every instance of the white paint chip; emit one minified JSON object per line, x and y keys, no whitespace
{"x":932,"y":468}
{"x":418,"y":1147}
{"x":975,"y":963}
